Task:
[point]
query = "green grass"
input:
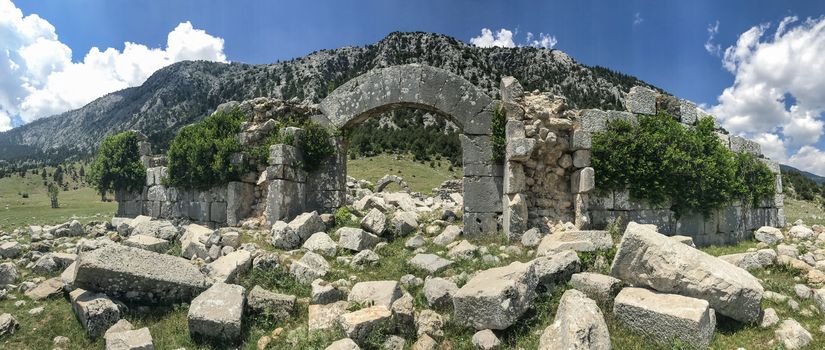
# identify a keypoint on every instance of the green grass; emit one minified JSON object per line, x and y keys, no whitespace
{"x":808,"y":211}
{"x":81,"y":203}
{"x":419,"y":176}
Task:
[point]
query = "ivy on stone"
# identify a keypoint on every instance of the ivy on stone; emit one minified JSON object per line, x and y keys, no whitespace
{"x":660,"y":161}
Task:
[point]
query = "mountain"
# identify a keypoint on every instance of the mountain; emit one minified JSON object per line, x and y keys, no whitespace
{"x":815,"y":178}
{"x":186,"y":92}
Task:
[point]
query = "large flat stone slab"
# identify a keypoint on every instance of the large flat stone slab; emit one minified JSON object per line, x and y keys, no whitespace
{"x":666,"y":316}
{"x":138,"y":275}
{"x":496,"y":298}
{"x":648,"y":259}
{"x":580,"y":241}
{"x":217,"y":313}
{"x":430,"y":262}
{"x":95,"y":311}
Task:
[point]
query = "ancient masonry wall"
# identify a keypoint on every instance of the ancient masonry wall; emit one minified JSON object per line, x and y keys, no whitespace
{"x":548,"y":178}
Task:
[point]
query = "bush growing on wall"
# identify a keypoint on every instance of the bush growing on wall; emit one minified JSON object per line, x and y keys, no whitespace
{"x":200,"y":155}
{"x":498,"y":137}
{"x":658,"y":161}
{"x":117,"y":164}
{"x":315,"y":145}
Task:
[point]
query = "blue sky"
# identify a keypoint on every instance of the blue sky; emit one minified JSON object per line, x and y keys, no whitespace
{"x":661,"y":42}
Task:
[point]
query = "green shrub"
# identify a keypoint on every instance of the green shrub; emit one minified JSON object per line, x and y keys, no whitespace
{"x":498,"y":138}
{"x":658,"y":161}
{"x":117,"y":165}
{"x":315,"y":145}
{"x":199,"y":156}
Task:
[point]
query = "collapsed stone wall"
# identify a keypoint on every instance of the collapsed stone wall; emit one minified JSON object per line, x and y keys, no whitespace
{"x":548,"y":178}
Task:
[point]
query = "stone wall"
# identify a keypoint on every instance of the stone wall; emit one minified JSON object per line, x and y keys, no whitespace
{"x":548,"y":179}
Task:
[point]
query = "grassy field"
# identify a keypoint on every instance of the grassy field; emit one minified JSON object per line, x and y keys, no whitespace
{"x":419,"y":176}
{"x":809,"y":212}
{"x":81,"y":203}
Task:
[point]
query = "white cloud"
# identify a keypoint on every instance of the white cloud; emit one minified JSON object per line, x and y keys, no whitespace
{"x":506,"y":38}
{"x":637,"y":19}
{"x":41,"y":79}
{"x":545,"y":41}
{"x":778,"y":89}
{"x":502,"y":38}
{"x":710,"y":46}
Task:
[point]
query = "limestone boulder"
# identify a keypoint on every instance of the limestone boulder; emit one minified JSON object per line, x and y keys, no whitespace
{"x":149,"y":243}
{"x":356,"y":239}
{"x":646,"y":258}
{"x":139,"y":339}
{"x":358,"y":325}
{"x":306,"y":224}
{"x":309,"y":267}
{"x":430,"y":262}
{"x":46,"y":289}
{"x":759,"y":259}
{"x":193,"y":241}
{"x":801,"y":232}
{"x":228,"y":268}
{"x":322,"y":244}
{"x":447,"y":236}
{"x":601,"y":288}
{"x":579,"y":324}
{"x":10,"y":250}
{"x":138,"y":275}
{"x":555,"y":269}
{"x":8,"y":273}
{"x":8,"y":324}
{"x":374,"y":222}
{"x":439,"y":292}
{"x":271,"y":304}
{"x":372,"y":293}
{"x":323,"y":317}
{"x":654,"y":314}
{"x":769,"y":235}
{"x":404,"y":222}
{"x":95,"y":311}
{"x":284,"y":236}
{"x":217,"y":313}
{"x":343,"y":344}
{"x":792,"y":335}
{"x":580,"y":241}
{"x":496,"y":298}
{"x":486,"y":340}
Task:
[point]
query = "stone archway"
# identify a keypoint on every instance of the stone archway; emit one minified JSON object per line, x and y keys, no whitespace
{"x":391,"y":179}
{"x":441,"y":92}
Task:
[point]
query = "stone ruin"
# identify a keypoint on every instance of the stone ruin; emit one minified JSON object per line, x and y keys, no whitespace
{"x":544,"y":181}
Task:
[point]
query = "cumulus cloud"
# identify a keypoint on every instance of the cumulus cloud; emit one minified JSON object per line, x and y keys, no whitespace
{"x":502,"y":38}
{"x":710,"y":46}
{"x":41,"y":79}
{"x":545,"y":41}
{"x":637,"y":19}
{"x":778,"y":89}
{"x":505,"y":38}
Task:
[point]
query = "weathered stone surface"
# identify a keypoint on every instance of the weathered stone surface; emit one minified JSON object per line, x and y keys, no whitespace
{"x":515,"y":217}
{"x":462,"y":250}
{"x":651,"y":313}
{"x":688,"y":112}
{"x":371,"y":293}
{"x":447,"y":236}
{"x":580,"y":241}
{"x":430,"y":262}
{"x":284,"y":236}
{"x":482,"y":194}
{"x":149,"y":243}
{"x":404,"y":222}
{"x":356,"y":239}
{"x":217,"y":313}
{"x":801,"y":232}
{"x":324,"y":292}
{"x":429,"y":322}
{"x":306,"y":224}
{"x":309,"y":267}
{"x":161,"y":229}
{"x":520,"y":149}
{"x":270,"y":304}
{"x":375,"y":222}
{"x":95,"y":311}
{"x":8,"y":273}
{"x":193,"y":241}
{"x":8,"y":324}
{"x":511,"y":89}
{"x":343,"y":344}
{"x":228,"y":268}
{"x":10,"y":250}
{"x":323,"y":317}
{"x":601,"y":288}
{"x":322,"y":244}
{"x":139,"y":339}
{"x":486,"y":340}
{"x":743,"y":145}
{"x":647,"y":258}
{"x":583,"y":180}
{"x":555,"y":269}
{"x":641,"y":100}
{"x":358,"y":325}
{"x":793,"y":335}
{"x":403,"y":315}
{"x":496,"y":298}
{"x":579,"y":324}
{"x":752,"y":260}
{"x":439,"y":292}
{"x":138,"y":275}
{"x":46,"y":289}
{"x":580,"y":139}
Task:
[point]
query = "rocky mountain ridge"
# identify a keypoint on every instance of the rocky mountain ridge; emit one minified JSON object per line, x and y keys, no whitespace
{"x":186,"y":92}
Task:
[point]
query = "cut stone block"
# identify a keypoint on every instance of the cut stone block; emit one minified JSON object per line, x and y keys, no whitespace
{"x":95,"y":311}
{"x":217,"y":313}
{"x":579,"y":324}
{"x":140,"y":339}
{"x":229,"y":267}
{"x":555,"y":269}
{"x":641,"y":100}
{"x":496,"y":298}
{"x":46,"y":289}
{"x":358,"y":325}
{"x":356,"y":239}
{"x":323,"y":317}
{"x":309,"y":267}
{"x":666,"y":316}
{"x":580,"y":241}
{"x":264,"y":302}
{"x":149,"y":243}
{"x":647,"y":258}
{"x":601,"y":288}
{"x":430,"y":262}
{"x":138,"y":275}
{"x":375,"y":293}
